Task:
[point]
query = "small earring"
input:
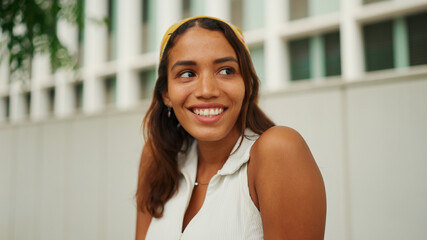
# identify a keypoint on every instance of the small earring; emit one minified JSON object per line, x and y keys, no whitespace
{"x":169,"y":112}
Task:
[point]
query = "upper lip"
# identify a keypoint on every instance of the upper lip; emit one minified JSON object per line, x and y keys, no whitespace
{"x":207,"y":105}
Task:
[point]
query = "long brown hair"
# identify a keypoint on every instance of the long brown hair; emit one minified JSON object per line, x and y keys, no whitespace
{"x":166,"y":139}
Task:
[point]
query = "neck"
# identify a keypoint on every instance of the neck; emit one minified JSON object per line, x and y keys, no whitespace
{"x":213,"y":154}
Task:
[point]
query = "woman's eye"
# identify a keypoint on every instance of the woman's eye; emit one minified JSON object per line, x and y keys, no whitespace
{"x":226,"y":71}
{"x":187,"y":74}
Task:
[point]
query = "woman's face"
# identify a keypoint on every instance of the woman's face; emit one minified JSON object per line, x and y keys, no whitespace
{"x":205,"y":87}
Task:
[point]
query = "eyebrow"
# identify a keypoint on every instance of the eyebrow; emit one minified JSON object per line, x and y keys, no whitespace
{"x":225,"y":59}
{"x":193,"y":63}
{"x":184,"y":63}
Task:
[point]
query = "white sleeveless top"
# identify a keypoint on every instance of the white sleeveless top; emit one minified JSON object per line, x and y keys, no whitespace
{"x":227,"y":211}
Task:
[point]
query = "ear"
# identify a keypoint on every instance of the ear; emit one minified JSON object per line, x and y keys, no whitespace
{"x":166,"y":100}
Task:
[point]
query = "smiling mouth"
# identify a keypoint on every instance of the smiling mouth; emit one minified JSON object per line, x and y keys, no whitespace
{"x":208,"y":112}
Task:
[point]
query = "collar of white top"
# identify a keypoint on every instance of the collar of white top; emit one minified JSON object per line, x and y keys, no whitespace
{"x":187,"y":162}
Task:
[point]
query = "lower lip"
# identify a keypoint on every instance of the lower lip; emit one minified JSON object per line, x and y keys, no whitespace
{"x":212,"y":119}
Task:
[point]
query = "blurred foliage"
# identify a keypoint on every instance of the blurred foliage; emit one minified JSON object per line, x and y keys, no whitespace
{"x":30,"y":26}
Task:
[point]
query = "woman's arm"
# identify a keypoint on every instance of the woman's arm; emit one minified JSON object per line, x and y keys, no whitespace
{"x":288,"y":186}
{"x":143,"y":219}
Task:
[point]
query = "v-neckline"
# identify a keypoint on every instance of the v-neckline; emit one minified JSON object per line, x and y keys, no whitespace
{"x":189,"y":171}
{"x":190,"y":181}
{"x":183,"y":228}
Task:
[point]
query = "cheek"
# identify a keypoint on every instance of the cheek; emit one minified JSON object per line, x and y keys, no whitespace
{"x":177,"y":95}
{"x":238,"y":91}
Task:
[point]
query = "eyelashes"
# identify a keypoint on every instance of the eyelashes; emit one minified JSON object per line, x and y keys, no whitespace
{"x":226,"y":71}
{"x":186,"y":74}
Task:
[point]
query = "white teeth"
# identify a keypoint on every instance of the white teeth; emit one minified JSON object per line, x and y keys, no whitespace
{"x":208,"y":112}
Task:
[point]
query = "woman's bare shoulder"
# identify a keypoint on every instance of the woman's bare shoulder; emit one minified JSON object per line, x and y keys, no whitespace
{"x":288,"y":185}
{"x":278,"y":140}
{"x":281,"y":149}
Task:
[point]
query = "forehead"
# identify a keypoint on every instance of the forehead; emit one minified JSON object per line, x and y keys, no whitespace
{"x":198,"y":43}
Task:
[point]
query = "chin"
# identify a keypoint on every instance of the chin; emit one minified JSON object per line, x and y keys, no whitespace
{"x":208,"y":138}
{"x":211,"y":134}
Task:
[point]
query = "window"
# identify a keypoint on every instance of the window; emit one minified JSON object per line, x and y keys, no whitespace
{"x":186,"y":8}
{"x":332,"y":49}
{"x":299,"y":53}
{"x":7,"y":103}
{"x":257,"y":55}
{"x":78,"y":96}
{"x":148,"y":26}
{"x":298,"y":9}
{"x":112,"y":30}
{"x":315,"y":57}
{"x":27,"y":100}
{"x":51,"y":100}
{"x":6,"y":107}
{"x":80,"y":34}
{"x":237,"y":12}
{"x":417,"y":38}
{"x":145,"y":10}
{"x":80,"y":47}
{"x":110,"y":90}
{"x":304,"y":8}
{"x":378,"y":40}
{"x":253,"y":14}
{"x":248,"y":14}
{"x":147,"y":80}
{"x":191,"y":8}
{"x":396,"y":43}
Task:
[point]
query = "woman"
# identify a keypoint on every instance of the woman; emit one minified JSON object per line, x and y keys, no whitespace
{"x":214,"y":166}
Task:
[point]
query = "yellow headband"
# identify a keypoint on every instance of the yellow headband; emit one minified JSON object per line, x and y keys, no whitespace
{"x":175,"y":26}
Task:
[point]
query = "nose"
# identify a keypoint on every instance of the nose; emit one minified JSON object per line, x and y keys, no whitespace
{"x":207,"y":86}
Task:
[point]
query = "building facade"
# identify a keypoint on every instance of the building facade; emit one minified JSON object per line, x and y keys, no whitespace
{"x":290,"y":41}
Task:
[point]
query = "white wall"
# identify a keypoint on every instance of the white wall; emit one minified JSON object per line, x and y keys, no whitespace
{"x":387,"y":133}
{"x":70,"y":179}
{"x":75,"y":178}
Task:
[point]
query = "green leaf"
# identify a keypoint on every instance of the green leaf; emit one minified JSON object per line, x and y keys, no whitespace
{"x":30,"y":26}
